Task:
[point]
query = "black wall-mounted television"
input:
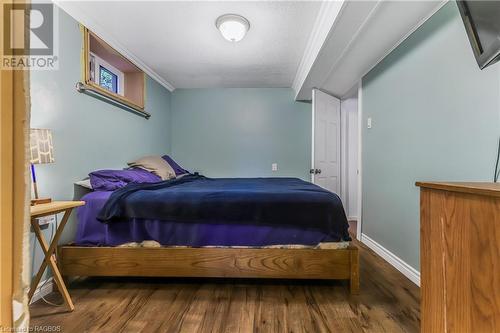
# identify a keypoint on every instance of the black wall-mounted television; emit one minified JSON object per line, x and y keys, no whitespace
{"x":482,"y":23}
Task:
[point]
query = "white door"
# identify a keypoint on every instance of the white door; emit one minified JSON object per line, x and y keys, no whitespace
{"x":325,"y":170}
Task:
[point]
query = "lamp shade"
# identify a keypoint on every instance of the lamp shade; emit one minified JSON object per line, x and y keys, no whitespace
{"x":41,"y":147}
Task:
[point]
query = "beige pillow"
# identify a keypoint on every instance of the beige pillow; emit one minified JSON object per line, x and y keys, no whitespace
{"x":156,"y":165}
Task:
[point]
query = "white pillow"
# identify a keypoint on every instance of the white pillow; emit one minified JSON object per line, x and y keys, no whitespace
{"x":156,"y":165}
{"x":85,"y":183}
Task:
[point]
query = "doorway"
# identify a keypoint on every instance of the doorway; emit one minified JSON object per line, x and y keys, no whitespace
{"x":335,"y":161}
{"x":350,"y":158}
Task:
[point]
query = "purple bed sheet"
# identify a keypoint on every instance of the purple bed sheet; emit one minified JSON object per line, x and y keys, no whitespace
{"x":91,"y":232}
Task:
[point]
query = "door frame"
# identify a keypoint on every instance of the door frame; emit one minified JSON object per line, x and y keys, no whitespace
{"x":348,"y":170}
{"x":360,"y":161}
{"x":13,"y":200}
{"x":14,"y":217}
{"x":312,"y":135}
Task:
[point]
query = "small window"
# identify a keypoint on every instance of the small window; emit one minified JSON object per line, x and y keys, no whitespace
{"x":106,"y":75}
{"x":108,"y":80}
{"x":110,"y":73}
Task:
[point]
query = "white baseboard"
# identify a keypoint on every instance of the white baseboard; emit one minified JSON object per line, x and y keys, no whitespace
{"x":45,"y":288}
{"x":408,"y":271}
{"x":352,"y":218}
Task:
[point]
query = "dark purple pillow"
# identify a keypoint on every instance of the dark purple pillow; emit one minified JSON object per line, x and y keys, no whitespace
{"x":177,"y":168}
{"x":110,"y":180}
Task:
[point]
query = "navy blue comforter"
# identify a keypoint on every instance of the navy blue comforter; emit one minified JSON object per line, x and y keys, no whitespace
{"x":252,"y":201}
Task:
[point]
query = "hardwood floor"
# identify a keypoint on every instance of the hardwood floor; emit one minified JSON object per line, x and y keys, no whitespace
{"x":388,"y":302}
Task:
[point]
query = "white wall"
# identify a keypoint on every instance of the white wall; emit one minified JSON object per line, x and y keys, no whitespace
{"x":349,"y":122}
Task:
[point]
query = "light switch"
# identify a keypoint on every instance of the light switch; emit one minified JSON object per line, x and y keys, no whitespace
{"x":369,"y":123}
{"x":274,"y":167}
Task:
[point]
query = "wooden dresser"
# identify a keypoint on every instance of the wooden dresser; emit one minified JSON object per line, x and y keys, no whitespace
{"x":460,"y":257}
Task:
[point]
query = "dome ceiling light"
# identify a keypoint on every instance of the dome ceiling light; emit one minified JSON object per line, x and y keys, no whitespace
{"x":232,"y":27}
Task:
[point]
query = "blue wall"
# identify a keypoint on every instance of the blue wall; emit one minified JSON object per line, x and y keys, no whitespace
{"x":241,"y":132}
{"x":435,"y":117}
{"x":89,"y":134}
{"x":218,"y":132}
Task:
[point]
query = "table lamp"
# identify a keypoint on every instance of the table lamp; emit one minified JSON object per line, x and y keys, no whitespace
{"x":41,"y":152}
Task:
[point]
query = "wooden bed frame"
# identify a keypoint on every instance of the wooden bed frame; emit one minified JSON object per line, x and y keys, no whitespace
{"x":337,"y":264}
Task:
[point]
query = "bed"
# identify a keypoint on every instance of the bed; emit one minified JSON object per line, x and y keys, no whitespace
{"x":196,"y":226}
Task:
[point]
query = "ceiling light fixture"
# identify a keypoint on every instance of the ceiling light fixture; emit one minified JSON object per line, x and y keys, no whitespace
{"x":232,"y":27}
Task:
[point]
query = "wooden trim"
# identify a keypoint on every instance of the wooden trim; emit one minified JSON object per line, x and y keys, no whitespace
{"x":354,"y":278}
{"x":85,"y":69}
{"x":86,"y":73}
{"x":14,"y":87}
{"x":6,"y":196}
{"x":339,"y":264}
{"x":480,"y":188}
{"x":21,"y":192}
{"x":144,"y":89}
{"x":87,"y":45}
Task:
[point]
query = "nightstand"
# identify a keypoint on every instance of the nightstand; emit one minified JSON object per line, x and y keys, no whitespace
{"x":46,"y":209}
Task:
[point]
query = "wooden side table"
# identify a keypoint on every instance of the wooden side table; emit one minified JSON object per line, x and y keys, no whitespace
{"x":46,"y":209}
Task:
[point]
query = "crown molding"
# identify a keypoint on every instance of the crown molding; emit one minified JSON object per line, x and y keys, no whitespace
{"x":74,"y":10}
{"x":328,"y":13}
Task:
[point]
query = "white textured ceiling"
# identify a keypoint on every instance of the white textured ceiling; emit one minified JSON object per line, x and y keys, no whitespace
{"x":179,"y":40}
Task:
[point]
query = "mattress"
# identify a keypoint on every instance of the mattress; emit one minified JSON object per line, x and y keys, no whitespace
{"x":248,"y":201}
{"x":91,"y":232}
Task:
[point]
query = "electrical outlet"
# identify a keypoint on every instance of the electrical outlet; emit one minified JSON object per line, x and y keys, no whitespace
{"x":46,"y":219}
{"x":274,"y":167}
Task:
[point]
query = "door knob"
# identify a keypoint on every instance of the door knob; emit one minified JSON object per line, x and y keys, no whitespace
{"x":311,"y":171}
{"x":317,"y":171}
